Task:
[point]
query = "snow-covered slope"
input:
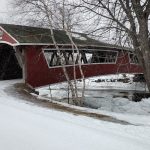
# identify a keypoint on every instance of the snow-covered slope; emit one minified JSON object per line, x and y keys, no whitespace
{"x":24,"y":126}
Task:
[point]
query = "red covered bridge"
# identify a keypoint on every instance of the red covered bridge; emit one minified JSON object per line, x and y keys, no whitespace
{"x":29,"y":53}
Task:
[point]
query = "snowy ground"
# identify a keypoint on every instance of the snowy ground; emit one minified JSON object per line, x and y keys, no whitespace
{"x":24,"y":126}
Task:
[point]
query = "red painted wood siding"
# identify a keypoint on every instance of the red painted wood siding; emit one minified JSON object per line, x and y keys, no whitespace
{"x":7,"y":38}
{"x":39,"y":74}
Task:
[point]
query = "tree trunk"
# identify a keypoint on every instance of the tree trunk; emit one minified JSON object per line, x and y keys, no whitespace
{"x":142,"y":49}
{"x":79,"y":100}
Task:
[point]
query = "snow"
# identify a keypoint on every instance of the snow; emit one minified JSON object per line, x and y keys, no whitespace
{"x":78,"y":36}
{"x":25,"y":126}
{"x":111,"y":96}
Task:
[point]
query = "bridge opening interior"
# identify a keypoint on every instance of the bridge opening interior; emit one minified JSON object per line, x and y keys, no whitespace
{"x":9,"y":66}
{"x":86,"y":57}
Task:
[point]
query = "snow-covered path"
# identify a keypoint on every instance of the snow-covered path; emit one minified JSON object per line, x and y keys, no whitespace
{"x":28,"y":127}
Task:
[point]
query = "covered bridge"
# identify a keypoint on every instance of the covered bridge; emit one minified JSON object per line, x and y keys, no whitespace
{"x":29,"y":53}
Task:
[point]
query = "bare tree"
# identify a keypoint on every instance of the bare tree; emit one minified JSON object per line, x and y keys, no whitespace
{"x":55,"y":15}
{"x":128,"y":19}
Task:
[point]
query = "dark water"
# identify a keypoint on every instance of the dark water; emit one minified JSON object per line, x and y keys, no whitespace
{"x":93,"y":97}
{"x":109,"y":93}
{"x":114,"y":93}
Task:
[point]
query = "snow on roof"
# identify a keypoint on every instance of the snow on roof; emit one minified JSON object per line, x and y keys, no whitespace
{"x":79,"y":36}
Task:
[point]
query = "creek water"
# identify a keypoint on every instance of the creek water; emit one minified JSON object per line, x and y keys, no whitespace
{"x":94,"y":97}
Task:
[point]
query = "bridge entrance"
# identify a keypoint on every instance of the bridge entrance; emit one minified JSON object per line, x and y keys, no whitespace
{"x":9,"y":66}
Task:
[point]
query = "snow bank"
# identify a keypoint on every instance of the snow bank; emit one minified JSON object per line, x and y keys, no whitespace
{"x":98,"y":96}
{"x":121,"y":105}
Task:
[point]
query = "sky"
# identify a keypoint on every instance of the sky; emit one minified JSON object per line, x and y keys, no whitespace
{"x":5,"y":13}
{"x":4,"y":4}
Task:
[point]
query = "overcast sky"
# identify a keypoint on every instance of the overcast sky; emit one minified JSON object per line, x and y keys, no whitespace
{"x":5,"y":13}
{"x":4,"y":4}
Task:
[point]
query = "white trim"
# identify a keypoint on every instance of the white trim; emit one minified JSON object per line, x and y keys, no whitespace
{"x":9,"y":34}
{"x":80,"y":49}
{"x":106,"y":63}
{"x":51,"y":44}
{"x":4,"y":42}
{"x":81,"y":65}
{"x":46,"y":59}
{"x":117,"y":57}
{"x":30,"y":44}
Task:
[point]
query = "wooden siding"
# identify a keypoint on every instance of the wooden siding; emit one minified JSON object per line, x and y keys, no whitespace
{"x":39,"y":74}
{"x":7,"y":38}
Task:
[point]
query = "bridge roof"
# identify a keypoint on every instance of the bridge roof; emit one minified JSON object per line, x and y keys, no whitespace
{"x":26,"y":35}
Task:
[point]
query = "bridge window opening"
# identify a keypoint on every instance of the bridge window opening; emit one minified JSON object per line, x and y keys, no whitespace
{"x":89,"y":57}
{"x":52,"y":58}
{"x":104,"y":57}
{"x":9,"y":65}
{"x":133,"y":58}
{"x":86,"y":57}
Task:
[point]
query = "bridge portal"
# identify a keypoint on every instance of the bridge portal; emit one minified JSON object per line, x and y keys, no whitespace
{"x":9,"y":66}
